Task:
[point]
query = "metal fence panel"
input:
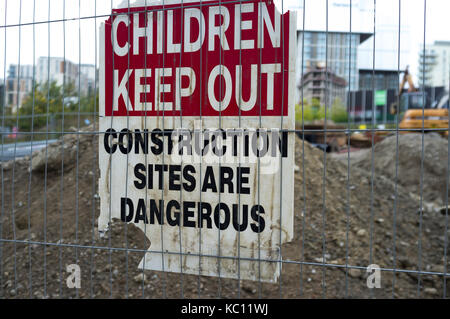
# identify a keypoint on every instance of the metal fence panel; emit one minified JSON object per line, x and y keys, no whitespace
{"x":370,"y":217}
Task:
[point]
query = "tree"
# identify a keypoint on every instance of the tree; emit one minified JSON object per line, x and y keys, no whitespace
{"x":89,"y":104}
{"x":339,"y":112}
{"x":43,"y":101}
{"x":304,"y":112}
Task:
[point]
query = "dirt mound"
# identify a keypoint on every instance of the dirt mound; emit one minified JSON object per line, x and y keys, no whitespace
{"x":65,"y":150}
{"x":435,"y":151}
{"x":49,"y":221}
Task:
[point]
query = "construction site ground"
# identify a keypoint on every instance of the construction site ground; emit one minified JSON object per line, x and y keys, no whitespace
{"x":371,"y":212}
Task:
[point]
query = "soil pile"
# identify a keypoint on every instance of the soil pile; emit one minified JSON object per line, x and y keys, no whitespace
{"x":49,"y":222}
{"x":410,"y":169}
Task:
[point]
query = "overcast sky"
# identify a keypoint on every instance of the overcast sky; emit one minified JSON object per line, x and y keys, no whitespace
{"x":74,"y":36}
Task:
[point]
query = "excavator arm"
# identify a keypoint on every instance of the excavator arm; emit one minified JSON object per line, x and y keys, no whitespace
{"x":411,"y":88}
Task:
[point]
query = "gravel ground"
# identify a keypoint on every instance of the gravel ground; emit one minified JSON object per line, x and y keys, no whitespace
{"x":356,"y":220}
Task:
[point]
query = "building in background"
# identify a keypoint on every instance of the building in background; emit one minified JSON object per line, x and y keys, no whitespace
{"x":56,"y":69}
{"x":26,"y":71}
{"x":359,"y":67}
{"x":379,"y":61}
{"x":323,"y":85}
{"x":377,"y":79}
{"x":378,"y":69}
{"x":88,"y":79}
{"x":19,"y":83}
{"x":434,"y":65}
{"x":340,"y":56}
{"x":63,"y":71}
{"x":328,"y":39}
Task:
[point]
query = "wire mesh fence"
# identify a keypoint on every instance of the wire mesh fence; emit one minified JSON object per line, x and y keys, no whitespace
{"x":369,"y":182}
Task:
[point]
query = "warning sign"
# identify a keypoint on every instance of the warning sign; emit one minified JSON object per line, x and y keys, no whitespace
{"x":196,"y":106}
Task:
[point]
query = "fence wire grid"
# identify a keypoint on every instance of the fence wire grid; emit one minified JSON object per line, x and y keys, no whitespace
{"x":370,"y":196}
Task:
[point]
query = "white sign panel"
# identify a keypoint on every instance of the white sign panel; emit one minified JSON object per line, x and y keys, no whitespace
{"x":196,"y":105}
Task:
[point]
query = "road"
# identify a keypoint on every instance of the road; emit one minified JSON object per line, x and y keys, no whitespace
{"x":20,"y":149}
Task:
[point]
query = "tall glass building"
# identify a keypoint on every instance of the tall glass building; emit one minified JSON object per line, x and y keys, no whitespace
{"x":339,"y":17}
{"x":340,"y":56}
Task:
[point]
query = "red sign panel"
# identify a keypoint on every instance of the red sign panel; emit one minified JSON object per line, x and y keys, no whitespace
{"x":197,"y":59}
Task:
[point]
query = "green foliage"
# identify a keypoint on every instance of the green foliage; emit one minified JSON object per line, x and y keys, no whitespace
{"x":45,"y":102}
{"x":315,"y":111}
{"x":315,"y":103}
{"x":305,"y":112}
{"x":88,"y":104}
{"x":321,"y":113}
{"x":310,"y":111}
{"x":339,"y":112}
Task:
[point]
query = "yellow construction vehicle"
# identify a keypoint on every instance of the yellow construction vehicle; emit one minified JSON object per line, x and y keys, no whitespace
{"x":401,"y":95}
{"x":418,"y":111}
{"x":426,"y":119}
